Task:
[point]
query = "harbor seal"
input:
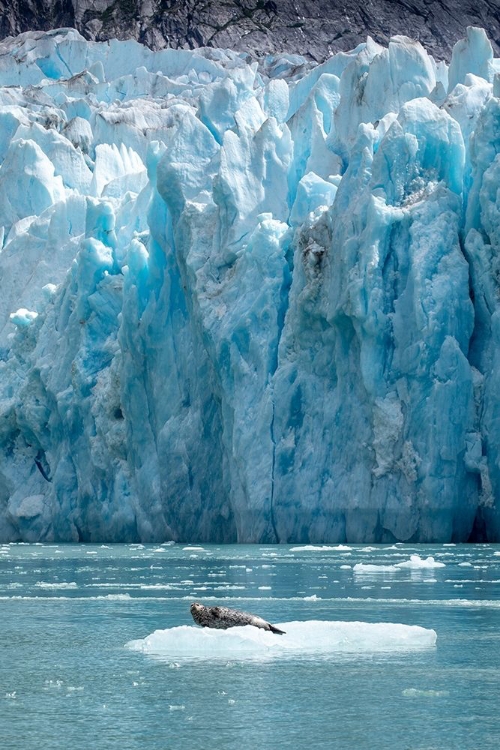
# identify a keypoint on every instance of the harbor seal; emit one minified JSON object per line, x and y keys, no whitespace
{"x":223,"y":618}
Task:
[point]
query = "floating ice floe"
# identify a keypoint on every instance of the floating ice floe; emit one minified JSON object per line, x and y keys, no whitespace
{"x":419,"y":563}
{"x":320,"y":548}
{"x":60,"y":585}
{"x":414,"y":563}
{"x":314,"y":638}
{"x":369,"y":568}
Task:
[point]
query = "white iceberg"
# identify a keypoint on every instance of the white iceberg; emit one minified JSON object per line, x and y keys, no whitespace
{"x":366,"y":568}
{"x":321,"y":548}
{"x":418,"y":563}
{"x":314,"y":638}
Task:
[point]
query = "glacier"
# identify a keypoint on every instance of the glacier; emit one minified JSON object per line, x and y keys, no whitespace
{"x":253,"y":302}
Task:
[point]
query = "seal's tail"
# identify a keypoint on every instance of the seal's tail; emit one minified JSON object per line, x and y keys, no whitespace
{"x":276,"y":630}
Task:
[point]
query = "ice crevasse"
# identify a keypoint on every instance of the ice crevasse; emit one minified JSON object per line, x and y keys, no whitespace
{"x":249,"y":302}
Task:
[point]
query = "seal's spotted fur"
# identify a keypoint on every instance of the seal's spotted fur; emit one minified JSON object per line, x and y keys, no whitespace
{"x":223,"y":618}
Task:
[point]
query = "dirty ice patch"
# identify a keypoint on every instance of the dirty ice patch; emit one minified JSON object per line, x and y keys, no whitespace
{"x":313,"y":638}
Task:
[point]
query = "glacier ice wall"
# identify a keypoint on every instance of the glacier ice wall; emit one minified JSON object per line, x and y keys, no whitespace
{"x":243,"y":303}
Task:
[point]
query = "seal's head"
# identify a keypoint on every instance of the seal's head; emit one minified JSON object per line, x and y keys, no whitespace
{"x":196,"y":608}
{"x":198,"y":612}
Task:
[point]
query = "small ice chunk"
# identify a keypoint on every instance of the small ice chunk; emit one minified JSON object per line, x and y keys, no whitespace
{"x":319,"y":548}
{"x":60,"y":585}
{"x":116,"y":597}
{"x":362,"y":568}
{"x":418,"y":563}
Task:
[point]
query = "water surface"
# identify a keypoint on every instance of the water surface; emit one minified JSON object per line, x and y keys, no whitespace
{"x":70,"y":679}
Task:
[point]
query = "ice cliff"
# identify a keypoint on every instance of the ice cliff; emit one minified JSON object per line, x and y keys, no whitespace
{"x":249,"y":303}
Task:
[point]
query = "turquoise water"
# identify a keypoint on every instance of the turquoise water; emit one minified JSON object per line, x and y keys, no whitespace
{"x":69,"y":677}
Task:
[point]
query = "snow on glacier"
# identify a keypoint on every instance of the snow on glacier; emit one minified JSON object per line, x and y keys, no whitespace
{"x":246,"y":302}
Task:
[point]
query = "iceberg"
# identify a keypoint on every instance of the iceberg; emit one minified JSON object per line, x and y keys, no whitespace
{"x":306,"y":639}
{"x":415,"y":563}
{"x":419,"y":563}
{"x":248,"y":303}
{"x":369,"y":568}
{"x":321,"y":548}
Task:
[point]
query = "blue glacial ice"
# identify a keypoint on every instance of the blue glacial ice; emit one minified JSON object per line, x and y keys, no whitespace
{"x":242,"y":302}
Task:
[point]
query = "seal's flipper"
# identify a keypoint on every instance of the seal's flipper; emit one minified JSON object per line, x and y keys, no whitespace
{"x":276,"y":630}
